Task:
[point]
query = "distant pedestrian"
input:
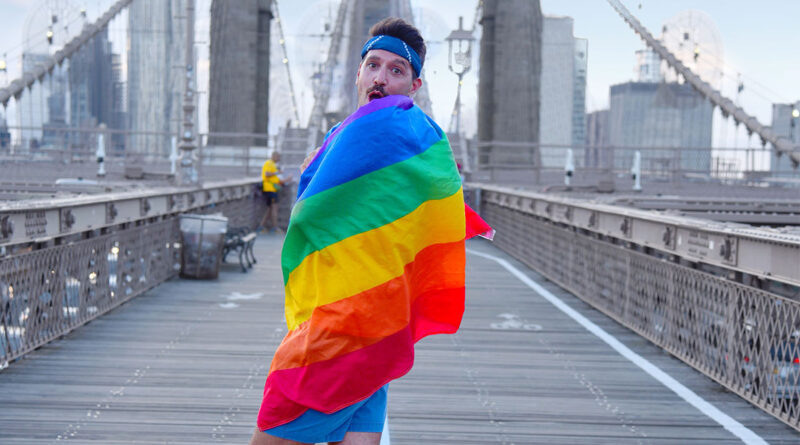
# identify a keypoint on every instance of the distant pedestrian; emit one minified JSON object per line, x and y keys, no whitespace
{"x":271,"y":184}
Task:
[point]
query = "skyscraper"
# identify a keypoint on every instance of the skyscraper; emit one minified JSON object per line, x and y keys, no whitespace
{"x":563,"y":91}
{"x":32,"y":107}
{"x":239,"y":76}
{"x":156,"y":67}
{"x":669,"y":123}
{"x":786,"y":123}
{"x":597,"y":141}
{"x":581,"y":62}
{"x":56,"y":129}
{"x":118,"y":104}
{"x":91,"y":87}
{"x":5,"y":136}
{"x":648,"y":66}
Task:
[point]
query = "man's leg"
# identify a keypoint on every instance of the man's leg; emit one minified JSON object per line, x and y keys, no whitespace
{"x":266,"y":216}
{"x":262,"y":438}
{"x":358,"y":438}
{"x":274,"y":217}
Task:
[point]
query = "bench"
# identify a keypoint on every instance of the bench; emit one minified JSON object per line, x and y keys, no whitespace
{"x":241,"y":240}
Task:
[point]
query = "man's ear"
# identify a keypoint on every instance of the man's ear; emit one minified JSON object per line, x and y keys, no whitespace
{"x":416,"y":84}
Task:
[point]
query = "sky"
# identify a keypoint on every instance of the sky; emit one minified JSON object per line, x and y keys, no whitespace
{"x":759,"y":45}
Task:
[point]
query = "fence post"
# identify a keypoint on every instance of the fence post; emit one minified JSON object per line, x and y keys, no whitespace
{"x":101,"y":152}
{"x":636,"y":171}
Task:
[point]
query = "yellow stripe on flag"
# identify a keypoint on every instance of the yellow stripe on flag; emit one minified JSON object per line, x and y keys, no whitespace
{"x":370,"y":258}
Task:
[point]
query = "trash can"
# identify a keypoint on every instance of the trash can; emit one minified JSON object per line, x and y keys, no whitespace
{"x":203,"y":237}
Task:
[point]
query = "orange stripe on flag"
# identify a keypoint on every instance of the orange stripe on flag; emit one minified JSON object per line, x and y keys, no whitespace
{"x":366,"y":318}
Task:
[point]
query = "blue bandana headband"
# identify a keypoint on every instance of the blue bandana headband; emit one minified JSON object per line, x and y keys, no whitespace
{"x":394,"y":45}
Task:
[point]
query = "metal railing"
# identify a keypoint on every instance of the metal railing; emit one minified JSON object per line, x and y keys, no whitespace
{"x":68,"y":261}
{"x":657,"y":161}
{"x":47,"y":293}
{"x":75,"y":152}
{"x":711,"y":314}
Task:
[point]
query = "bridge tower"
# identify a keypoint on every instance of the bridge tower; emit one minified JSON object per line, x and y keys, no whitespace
{"x":508,"y":92}
{"x":239,"y":75}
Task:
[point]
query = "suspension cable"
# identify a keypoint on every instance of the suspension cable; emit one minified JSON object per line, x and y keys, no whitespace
{"x":282,"y":43}
{"x":781,"y":144}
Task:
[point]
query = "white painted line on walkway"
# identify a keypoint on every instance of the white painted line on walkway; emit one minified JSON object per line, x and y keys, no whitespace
{"x":385,"y":439}
{"x":727,"y":422}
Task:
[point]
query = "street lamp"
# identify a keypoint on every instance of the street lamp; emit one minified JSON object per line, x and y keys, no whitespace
{"x":188,"y":174}
{"x":460,"y":39}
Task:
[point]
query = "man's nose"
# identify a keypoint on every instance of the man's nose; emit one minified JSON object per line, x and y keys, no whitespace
{"x":380,"y":77}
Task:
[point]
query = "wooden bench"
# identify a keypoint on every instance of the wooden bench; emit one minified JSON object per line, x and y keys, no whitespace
{"x":241,"y":240}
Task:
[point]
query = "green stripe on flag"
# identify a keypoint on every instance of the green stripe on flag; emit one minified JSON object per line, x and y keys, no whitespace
{"x":368,"y":202}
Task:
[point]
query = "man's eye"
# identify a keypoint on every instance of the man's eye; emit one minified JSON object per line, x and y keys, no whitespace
{"x":397,"y":71}
{"x":372,"y":65}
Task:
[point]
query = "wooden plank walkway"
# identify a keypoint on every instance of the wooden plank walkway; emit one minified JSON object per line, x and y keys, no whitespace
{"x":185,"y":363}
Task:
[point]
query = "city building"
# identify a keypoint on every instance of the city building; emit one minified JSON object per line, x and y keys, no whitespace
{"x":597,"y":141}
{"x":239,"y":71}
{"x":118,"y":105}
{"x":91,"y":90}
{"x":581,"y":62}
{"x":786,"y":123}
{"x":562,"y":110}
{"x":669,"y":123}
{"x":5,"y":136}
{"x":55,"y":132}
{"x":156,"y":76}
{"x":32,"y":108}
{"x":648,"y":66}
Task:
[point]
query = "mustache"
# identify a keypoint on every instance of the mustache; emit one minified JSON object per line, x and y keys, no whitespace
{"x":378,"y":88}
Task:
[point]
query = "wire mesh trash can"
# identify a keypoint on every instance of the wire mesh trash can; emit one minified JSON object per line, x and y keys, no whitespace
{"x":203,"y":237}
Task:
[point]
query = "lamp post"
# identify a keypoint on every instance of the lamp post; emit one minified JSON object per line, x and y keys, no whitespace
{"x":460,"y":40}
{"x":188,"y":170}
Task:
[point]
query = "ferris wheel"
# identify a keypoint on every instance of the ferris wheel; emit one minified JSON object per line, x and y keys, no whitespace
{"x":694,"y":39}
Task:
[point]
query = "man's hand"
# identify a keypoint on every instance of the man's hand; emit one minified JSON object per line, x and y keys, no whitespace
{"x":308,"y":159}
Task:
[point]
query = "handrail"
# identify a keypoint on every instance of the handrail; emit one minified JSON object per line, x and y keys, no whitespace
{"x":37,"y":221}
{"x":732,"y":246}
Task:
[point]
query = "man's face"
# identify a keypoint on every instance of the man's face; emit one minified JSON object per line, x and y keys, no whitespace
{"x":383,"y":73}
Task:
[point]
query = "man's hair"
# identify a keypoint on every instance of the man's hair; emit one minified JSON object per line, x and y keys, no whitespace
{"x":401,"y":29}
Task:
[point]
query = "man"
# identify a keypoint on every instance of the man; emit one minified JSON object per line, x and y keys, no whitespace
{"x":373,"y":259}
{"x":271,"y":183}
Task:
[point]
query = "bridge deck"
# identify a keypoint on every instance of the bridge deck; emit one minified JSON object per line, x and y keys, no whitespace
{"x":185,"y":363}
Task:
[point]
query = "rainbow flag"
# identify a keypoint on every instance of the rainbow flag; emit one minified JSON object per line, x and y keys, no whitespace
{"x":372,"y":262}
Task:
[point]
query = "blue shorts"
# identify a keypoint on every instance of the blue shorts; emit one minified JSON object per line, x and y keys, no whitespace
{"x":313,"y":426}
{"x":270,"y":198}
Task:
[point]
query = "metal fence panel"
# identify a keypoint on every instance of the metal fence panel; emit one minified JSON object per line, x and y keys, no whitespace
{"x":745,"y":338}
{"x":48,"y":292}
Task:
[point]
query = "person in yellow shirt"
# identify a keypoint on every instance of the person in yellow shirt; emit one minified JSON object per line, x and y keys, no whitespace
{"x":271,"y":185}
